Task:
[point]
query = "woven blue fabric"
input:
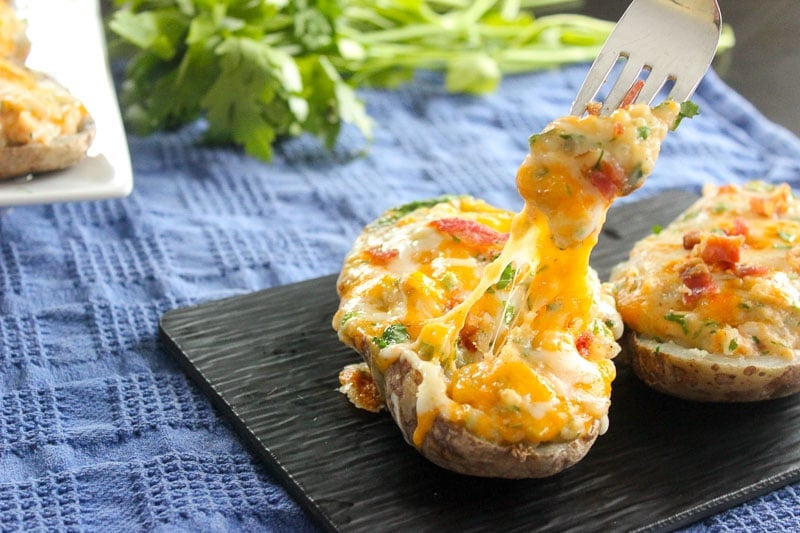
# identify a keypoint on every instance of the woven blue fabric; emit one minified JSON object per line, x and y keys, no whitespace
{"x":100,"y":430}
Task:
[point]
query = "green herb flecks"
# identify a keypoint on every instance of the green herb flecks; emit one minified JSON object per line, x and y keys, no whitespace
{"x":347,"y":316}
{"x":393,"y":334}
{"x":506,"y":277}
{"x":396,"y":213}
{"x":688,"y":110}
{"x":259,"y":71}
{"x":679,"y":319}
{"x":509,"y":314}
{"x":643,"y":132}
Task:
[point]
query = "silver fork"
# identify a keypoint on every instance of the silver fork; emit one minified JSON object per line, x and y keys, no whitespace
{"x":659,"y":41}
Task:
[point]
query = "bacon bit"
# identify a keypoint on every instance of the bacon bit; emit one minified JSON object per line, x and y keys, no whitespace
{"x":608,"y":177}
{"x":740,"y":227}
{"x":727,"y":189}
{"x":469,"y":232}
{"x":467,"y":336}
{"x":721,"y":250}
{"x":377,"y":255}
{"x":751,"y":270}
{"x":776,"y":203}
{"x":583,"y":343}
{"x":594,"y":108}
{"x":359,"y":387}
{"x":691,"y":239}
{"x":469,"y":332}
{"x":632,"y":93}
{"x":697,"y":277}
{"x":736,"y":236}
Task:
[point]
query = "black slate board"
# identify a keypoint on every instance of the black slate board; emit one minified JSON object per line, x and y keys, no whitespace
{"x":269,"y":361}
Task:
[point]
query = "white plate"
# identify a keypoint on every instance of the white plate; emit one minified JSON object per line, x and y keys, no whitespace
{"x":68,"y":43}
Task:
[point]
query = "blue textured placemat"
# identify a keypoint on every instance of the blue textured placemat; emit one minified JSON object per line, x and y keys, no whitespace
{"x":98,"y":427}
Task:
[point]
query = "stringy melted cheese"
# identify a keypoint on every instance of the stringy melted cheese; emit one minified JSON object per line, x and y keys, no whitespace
{"x":723,"y":277}
{"x":499,"y":312}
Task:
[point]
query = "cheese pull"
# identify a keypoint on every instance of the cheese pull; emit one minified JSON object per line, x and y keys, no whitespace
{"x":488,"y":335}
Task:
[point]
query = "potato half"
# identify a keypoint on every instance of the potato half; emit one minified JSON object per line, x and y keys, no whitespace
{"x":713,"y":299}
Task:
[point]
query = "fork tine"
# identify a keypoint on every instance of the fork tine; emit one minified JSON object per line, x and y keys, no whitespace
{"x":683,"y":88}
{"x":654,"y":82}
{"x":598,"y":74}
{"x":674,"y":39}
{"x":622,"y":85}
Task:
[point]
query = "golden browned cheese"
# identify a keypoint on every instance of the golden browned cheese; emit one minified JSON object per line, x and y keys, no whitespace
{"x":500,"y":313}
{"x":35,"y":109}
{"x":724,"y":277}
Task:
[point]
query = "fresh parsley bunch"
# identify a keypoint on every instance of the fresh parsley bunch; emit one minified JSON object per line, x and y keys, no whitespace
{"x":260,"y":70}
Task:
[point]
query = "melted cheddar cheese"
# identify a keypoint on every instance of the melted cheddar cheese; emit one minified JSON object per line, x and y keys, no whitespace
{"x":13,"y":42}
{"x":34,"y":109}
{"x":500,"y":313}
{"x":724,"y":277}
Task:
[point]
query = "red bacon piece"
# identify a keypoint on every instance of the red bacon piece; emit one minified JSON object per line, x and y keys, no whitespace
{"x":377,"y":255}
{"x":608,"y":177}
{"x":775,"y":203}
{"x":751,"y":270}
{"x":721,"y":250}
{"x":583,"y":343}
{"x":697,"y":277}
{"x":632,"y":93}
{"x":469,"y":232}
{"x":739,"y":227}
{"x":691,"y":238}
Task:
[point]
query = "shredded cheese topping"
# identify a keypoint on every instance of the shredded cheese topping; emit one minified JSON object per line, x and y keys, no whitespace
{"x":723,"y":277}
{"x":500,"y":313}
{"x":33,"y":108}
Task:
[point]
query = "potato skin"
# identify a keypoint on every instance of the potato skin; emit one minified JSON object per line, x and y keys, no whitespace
{"x":63,"y":152}
{"x":453,"y":447}
{"x":697,"y":375}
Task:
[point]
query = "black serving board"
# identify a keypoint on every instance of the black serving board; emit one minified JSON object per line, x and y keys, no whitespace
{"x":269,"y":361}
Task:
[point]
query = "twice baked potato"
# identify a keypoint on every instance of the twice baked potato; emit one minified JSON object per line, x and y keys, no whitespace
{"x":42,"y":126}
{"x":713,"y":300}
{"x":488,"y":336}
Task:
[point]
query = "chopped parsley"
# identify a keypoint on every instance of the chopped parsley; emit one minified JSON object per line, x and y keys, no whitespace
{"x":347,"y":316}
{"x":657,"y":228}
{"x":508,"y":316}
{"x":393,"y":334}
{"x":733,"y":345}
{"x":643,"y":132}
{"x":679,"y":319}
{"x":688,"y":110}
{"x":395,"y":214}
{"x":506,"y":277}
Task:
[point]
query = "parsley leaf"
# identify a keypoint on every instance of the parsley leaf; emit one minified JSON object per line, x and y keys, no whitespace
{"x":688,"y":110}
{"x":262,"y":70}
{"x":393,"y":334}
